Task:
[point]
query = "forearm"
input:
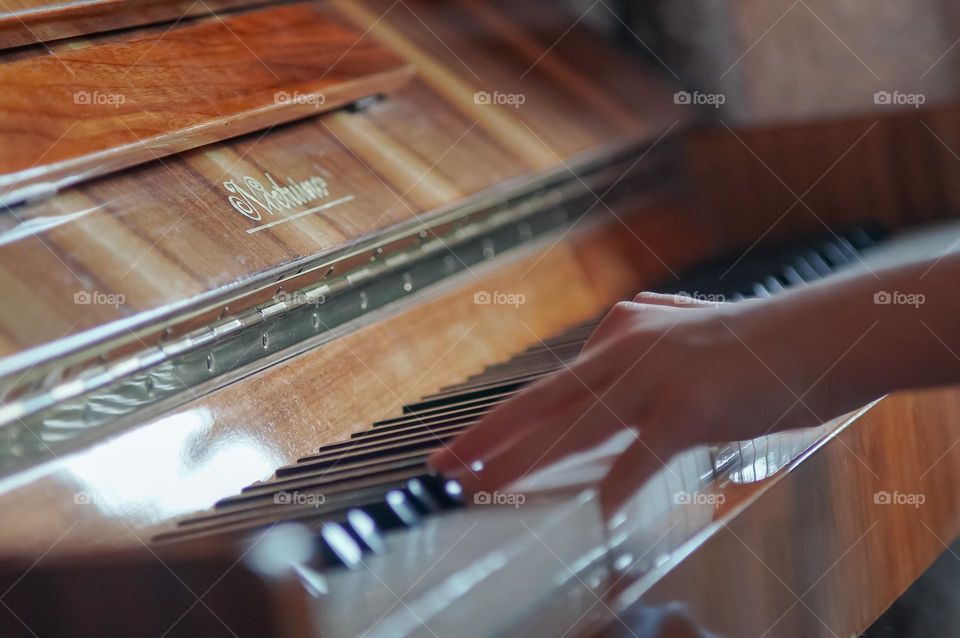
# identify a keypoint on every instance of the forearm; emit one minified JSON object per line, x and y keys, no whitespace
{"x":864,"y":335}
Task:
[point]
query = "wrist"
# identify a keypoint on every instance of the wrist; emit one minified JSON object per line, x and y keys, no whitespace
{"x":821,"y":343}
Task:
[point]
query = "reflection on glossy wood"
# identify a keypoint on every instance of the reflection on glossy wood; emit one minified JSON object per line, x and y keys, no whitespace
{"x":164,"y":234}
{"x":824,"y":548}
{"x":427,"y":147}
{"x":216,"y":444}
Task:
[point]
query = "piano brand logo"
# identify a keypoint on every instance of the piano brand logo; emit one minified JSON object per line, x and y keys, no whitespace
{"x":499,"y":498}
{"x":899,"y":498}
{"x":253,"y":197}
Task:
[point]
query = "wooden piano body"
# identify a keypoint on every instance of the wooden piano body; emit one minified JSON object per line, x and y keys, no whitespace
{"x":205,"y":282}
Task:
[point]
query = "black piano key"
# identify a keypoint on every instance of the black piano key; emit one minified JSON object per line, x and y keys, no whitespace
{"x":367,"y":451}
{"x":422,"y":498}
{"x":469,"y":394}
{"x":773,"y":284}
{"x":396,"y":510}
{"x":338,"y":547}
{"x":833,"y":253}
{"x":413,"y":417}
{"x":805,"y":269}
{"x":822,"y":268}
{"x":263,"y":496}
{"x":791,"y":276}
{"x":521,"y":379}
{"x":365,"y":531}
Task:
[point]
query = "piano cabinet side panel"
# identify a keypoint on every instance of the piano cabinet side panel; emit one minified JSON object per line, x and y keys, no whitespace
{"x":829,"y":547}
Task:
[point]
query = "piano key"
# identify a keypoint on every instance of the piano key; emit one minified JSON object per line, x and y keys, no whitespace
{"x":365,"y":451}
{"x":773,"y":285}
{"x":453,"y":392}
{"x":364,"y":530}
{"x":498,"y":388}
{"x":791,"y":276}
{"x":413,"y":417}
{"x":818,"y":264}
{"x":338,"y":547}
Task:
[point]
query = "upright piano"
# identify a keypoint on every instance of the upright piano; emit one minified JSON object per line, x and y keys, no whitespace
{"x":259,"y":259}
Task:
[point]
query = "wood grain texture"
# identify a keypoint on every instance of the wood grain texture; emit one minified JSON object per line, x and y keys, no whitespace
{"x":212,"y":446}
{"x":78,"y":114}
{"x":165,"y":232}
{"x":215,"y":444}
{"x":826,"y":546}
{"x":24,"y":22}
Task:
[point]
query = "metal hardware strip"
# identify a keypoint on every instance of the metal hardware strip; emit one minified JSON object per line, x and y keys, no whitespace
{"x":353,"y":284}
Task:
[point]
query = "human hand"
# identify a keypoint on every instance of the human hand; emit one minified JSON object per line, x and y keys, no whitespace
{"x":673,"y":371}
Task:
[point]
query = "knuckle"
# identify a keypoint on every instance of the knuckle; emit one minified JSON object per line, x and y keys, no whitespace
{"x":623,"y":309}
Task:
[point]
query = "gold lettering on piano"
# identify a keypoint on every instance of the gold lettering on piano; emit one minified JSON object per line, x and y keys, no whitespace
{"x":254,"y":198}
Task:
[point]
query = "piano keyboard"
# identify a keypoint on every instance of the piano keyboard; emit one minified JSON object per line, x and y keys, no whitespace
{"x":350,"y":492}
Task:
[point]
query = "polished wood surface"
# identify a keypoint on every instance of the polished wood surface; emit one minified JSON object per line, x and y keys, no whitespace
{"x":429,"y":146}
{"x":217,"y":443}
{"x":24,"y":22}
{"x":826,"y":546}
{"x":111,"y":106}
{"x":164,"y":235}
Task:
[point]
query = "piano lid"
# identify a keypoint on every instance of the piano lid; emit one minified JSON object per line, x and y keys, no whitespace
{"x":80,"y":113}
{"x":24,"y":22}
{"x":504,"y":100}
